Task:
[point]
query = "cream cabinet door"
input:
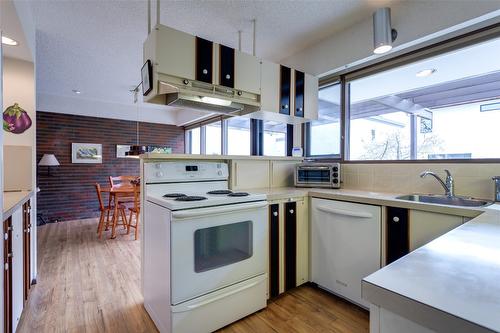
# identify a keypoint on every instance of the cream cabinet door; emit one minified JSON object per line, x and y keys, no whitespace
{"x":246,"y":72}
{"x":17,"y":266}
{"x":426,"y":226}
{"x":270,"y":87}
{"x":173,"y":52}
{"x":310,"y":97}
{"x":248,"y":174}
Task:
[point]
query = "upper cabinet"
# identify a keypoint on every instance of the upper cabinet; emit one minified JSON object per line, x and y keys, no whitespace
{"x":182,"y":63}
{"x":247,"y":73}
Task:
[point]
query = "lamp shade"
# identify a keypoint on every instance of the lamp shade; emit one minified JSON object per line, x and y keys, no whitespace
{"x":48,"y":160}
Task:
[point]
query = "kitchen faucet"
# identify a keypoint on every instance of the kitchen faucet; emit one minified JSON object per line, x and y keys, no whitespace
{"x":448,"y":185}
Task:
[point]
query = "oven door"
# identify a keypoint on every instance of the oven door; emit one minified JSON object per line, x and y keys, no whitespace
{"x":215,"y":247}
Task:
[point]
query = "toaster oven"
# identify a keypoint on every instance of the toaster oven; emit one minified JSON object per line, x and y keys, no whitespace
{"x":317,"y":175}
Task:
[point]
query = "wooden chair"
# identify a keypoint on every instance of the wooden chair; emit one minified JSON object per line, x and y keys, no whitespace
{"x":105,"y":210}
{"x":123,"y":179}
{"x":135,"y":210}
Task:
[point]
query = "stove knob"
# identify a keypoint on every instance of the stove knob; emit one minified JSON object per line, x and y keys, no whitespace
{"x":159,"y":174}
{"x":335,"y":181}
{"x":219,"y":173}
{"x":335,"y":169}
{"x":335,"y":174}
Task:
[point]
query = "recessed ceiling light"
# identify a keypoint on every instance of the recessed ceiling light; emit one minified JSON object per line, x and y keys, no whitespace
{"x":9,"y":41}
{"x":426,"y":72}
{"x":78,"y":92}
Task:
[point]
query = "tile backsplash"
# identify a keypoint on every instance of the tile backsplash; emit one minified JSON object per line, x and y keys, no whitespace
{"x":471,"y":179}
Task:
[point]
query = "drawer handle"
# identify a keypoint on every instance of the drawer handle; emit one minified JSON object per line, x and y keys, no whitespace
{"x":395,"y":219}
{"x":228,"y":76}
{"x":291,"y":211}
{"x":275,"y":213}
{"x":205,"y":71}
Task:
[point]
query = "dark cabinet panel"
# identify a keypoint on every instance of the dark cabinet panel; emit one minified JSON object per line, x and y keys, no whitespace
{"x":27,"y":249}
{"x":204,"y":60}
{"x":285,"y":82}
{"x":274,"y":250}
{"x":226,"y":65}
{"x":397,"y":233}
{"x":290,"y":245}
{"x":299,"y":93}
{"x":7,"y":275}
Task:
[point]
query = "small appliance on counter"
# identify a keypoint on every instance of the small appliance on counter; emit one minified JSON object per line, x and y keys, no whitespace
{"x":312,"y":174}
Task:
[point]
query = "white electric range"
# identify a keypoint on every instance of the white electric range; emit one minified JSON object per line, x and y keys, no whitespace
{"x":205,"y":247}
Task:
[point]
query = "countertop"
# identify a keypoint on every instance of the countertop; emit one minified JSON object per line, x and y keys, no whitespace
{"x":451,"y":284}
{"x":157,"y":156}
{"x":13,"y":200}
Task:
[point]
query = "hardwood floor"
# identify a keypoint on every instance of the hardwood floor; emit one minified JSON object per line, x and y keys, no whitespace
{"x":90,"y":285}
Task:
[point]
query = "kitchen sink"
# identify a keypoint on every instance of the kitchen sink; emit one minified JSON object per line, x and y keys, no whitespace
{"x":446,"y":200}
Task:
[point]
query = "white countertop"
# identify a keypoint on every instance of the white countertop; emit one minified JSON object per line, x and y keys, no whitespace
{"x":13,"y":200}
{"x":450,"y":284}
{"x":156,"y":156}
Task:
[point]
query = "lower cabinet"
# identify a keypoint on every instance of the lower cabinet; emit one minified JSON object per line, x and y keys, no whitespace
{"x":288,"y":245}
{"x":427,"y":226}
{"x":407,"y":230}
{"x":17,"y":264}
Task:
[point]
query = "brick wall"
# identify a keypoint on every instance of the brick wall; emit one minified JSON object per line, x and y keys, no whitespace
{"x":69,"y":193}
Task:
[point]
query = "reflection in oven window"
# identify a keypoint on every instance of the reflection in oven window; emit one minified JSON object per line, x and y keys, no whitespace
{"x":222,"y":245}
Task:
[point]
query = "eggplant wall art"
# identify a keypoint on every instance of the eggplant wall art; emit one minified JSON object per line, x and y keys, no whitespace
{"x":16,"y":120}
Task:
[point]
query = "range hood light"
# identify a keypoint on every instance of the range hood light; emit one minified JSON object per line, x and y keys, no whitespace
{"x":9,"y":41}
{"x":215,"y":101}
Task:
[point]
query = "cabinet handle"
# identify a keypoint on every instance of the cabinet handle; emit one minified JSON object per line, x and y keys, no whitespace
{"x":10,"y":228}
{"x":228,"y":76}
{"x":185,"y":81}
{"x":299,"y":109}
{"x":395,"y":219}
{"x":291,"y":211}
{"x":285,"y":106}
{"x":6,"y":266}
{"x":10,"y":255}
{"x":205,"y":71}
{"x":5,"y":236}
{"x":275,"y":213}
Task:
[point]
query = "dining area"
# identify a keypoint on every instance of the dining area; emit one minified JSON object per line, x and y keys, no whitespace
{"x":119,"y":207}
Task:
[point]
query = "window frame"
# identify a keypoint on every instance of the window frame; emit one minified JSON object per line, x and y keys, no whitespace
{"x":344,"y":77}
{"x":256,"y":136}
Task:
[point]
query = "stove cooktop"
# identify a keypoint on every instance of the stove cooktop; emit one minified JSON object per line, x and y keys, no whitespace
{"x":198,"y":199}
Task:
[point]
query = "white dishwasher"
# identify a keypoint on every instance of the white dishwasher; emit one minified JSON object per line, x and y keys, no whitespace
{"x":345,"y":244}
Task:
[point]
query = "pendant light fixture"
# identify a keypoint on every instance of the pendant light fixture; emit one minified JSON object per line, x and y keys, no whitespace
{"x":383,"y":34}
{"x":137,"y":149}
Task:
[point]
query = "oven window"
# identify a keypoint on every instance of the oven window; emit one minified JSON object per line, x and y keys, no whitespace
{"x":314,"y":176}
{"x":222,"y":245}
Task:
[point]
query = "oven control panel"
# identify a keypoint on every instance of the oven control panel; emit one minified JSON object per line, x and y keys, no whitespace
{"x":160,"y":172}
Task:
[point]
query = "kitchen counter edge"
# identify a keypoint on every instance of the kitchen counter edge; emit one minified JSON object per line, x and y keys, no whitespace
{"x":13,"y":200}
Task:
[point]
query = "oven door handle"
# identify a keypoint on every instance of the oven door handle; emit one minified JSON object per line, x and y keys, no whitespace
{"x":190,"y":307}
{"x":227,"y":209}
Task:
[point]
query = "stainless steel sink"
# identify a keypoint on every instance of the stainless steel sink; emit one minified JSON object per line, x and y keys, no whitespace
{"x":446,"y":200}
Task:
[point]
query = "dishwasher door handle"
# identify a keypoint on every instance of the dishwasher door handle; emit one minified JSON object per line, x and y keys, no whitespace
{"x":344,"y":212}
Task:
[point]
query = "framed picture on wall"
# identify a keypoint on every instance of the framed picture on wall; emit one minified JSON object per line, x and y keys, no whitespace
{"x":86,"y":153}
{"x":147,"y":77}
{"x":121,"y":151}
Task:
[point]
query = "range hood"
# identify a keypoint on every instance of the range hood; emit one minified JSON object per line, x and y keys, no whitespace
{"x":201,"y":96}
{"x":174,"y":81}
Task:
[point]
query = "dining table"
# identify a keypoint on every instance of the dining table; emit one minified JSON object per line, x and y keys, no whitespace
{"x":115,"y":192}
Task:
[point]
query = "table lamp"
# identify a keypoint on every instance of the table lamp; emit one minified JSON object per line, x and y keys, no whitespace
{"x":48,"y":160}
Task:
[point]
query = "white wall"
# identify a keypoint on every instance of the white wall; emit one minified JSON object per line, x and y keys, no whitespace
{"x":19,"y":87}
{"x":412,"y":19}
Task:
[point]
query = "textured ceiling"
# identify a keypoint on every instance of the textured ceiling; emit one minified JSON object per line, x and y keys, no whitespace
{"x":96,"y":46}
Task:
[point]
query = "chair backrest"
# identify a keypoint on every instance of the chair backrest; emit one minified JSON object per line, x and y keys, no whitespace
{"x":121,"y":179}
{"x":99,"y":196}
